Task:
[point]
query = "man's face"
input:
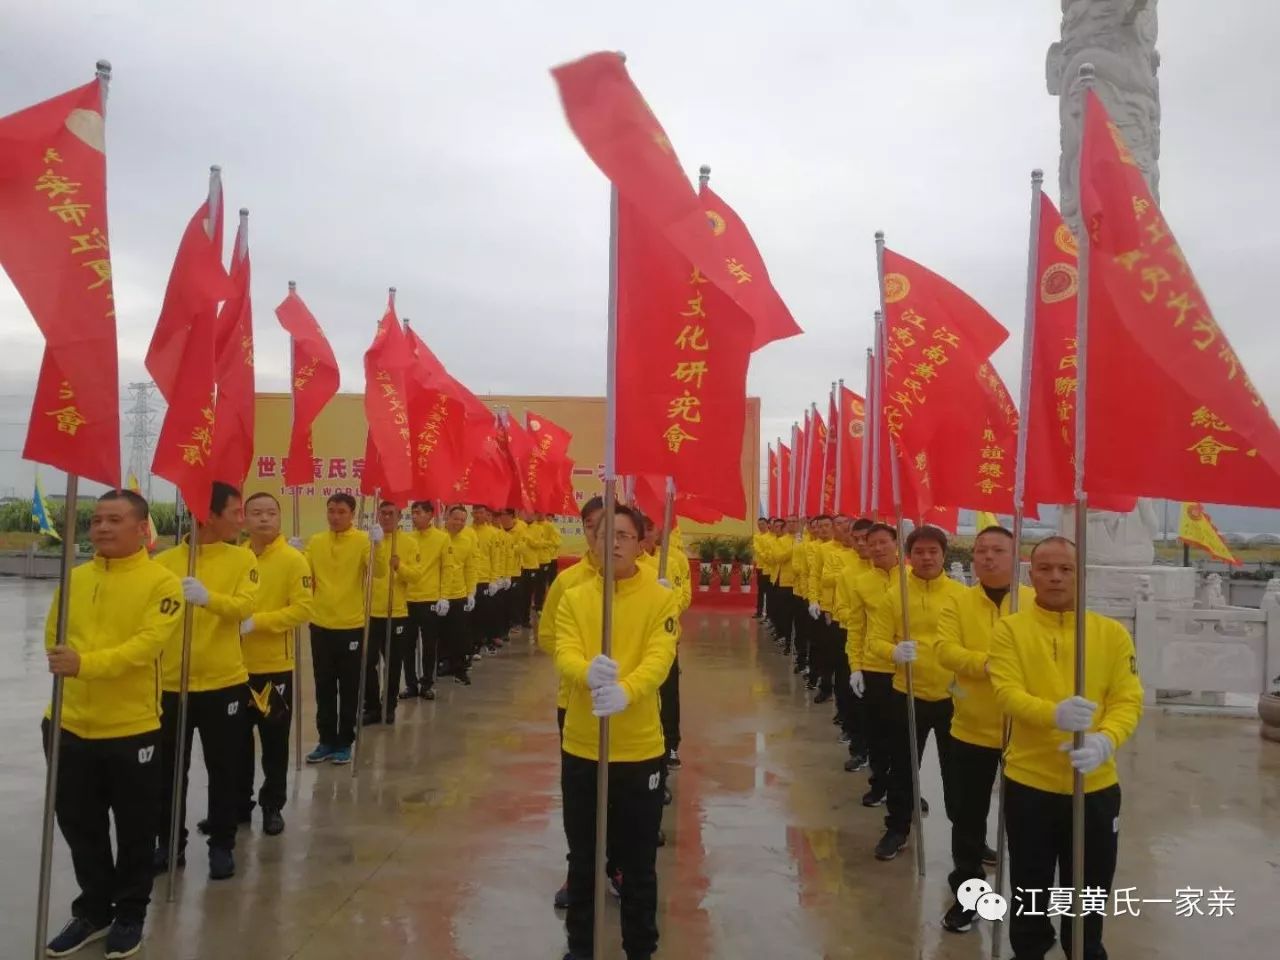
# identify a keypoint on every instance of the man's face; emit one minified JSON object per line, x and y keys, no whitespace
{"x":842,"y":531}
{"x":993,"y":559}
{"x":456,"y":520}
{"x":650,"y":542}
{"x":479,"y":515}
{"x":227,"y":524}
{"x":926,"y":559}
{"x":793,"y":525}
{"x":339,"y":515}
{"x":422,"y":519}
{"x":762,"y":525}
{"x":824,"y":527}
{"x":590,"y":523}
{"x":1053,"y":574}
{"x":388,"y":517}
{"x":508,"y":521}
{"x":262,"y":518}
{"x":626,"y":542}
{"x":777,"y":526}
{"x":116,"y":530}
{"x":859,"y":540}
{"x":883,"y":550}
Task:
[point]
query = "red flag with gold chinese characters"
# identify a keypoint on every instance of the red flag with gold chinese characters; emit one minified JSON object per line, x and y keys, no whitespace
{"x":545,"y":469}
{"x":518,"y":448}
{"x":817,"y":442}
{"x":181,"y":358}
{"x":784,"y":480}
{"x":853,"y":423}
{"x":315,"y":381}
{"x":1171,"y":411}
{"x":936,"y":406}
{"x":386,"y":364}
{"x":683,"y":348}
{"x":438,"y":414}
{"x":233,"y":414}
{"x":489,"y":478}
{"x":830,"y":457}
{"x":615,"y":126}
{"x":53,"y":246}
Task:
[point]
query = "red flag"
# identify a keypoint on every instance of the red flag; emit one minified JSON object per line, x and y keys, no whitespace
{"x":544,"y":472}
{"x":439,"y":417}
{"x":1178,"y":417}
{"x":615,"y":126}
{"x":830,"y":456}
{"x":651,"y":498}
{"x":315,"y":381}
{"x":518,"y":447}
{"x":853,"y":423}
{"x":936,"y":406}
{"x":233,"y":414}
{"x":488,"y":479}
{"x":181,"y":357}
{"x":813,"y":449}
{"x":386,"y":363}
{"x":683,"y":348}
{"x":784,"y":479}
{"x":773,"y":482}
{"x":773,"y":321}
{"x":945,"y":518}
{"x":53,"y":246}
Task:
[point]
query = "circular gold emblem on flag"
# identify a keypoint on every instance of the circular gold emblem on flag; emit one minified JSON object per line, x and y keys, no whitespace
{"x":1065,"y":240}
{"x":1059,"y":282}
{"x":896,"y":286}
{"x":716,"y":221}
{"x":856,"y":429}
{"x":535,"y":424}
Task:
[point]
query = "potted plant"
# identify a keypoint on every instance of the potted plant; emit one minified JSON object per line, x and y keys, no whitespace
{"x":706,"y":558}
{"x":742,"y":553}
{"x":1269,"y":712}
{"x":724,"y":554}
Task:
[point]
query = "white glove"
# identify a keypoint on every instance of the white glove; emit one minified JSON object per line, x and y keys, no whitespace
{"x":376,"y":534}
{"x":491,"y":590}
{"x":193,"y":591}
{"x":857,"y":683}
{"x":608,"y":700}
{"x":904,"y":652}
{"x":506,"y":583}
{"x":1095,"y":750}
{"x":665,"y":582}
{"x":246,"y":626}
{"x":441,"y":608}
{"x":815,"y":611}
{"x":297,"y":543}
{"x":470,"y":604}
{"x":1074,"y":714}
{"x":602,"y":670}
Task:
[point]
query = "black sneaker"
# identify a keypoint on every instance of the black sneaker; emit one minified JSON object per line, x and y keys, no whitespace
{"x":873,"y":798}
{"x":124,"y":940}
{"x":822,"y":697}
{"x":988,"y":856}
{"x":811,"y":683}
{"x":844,"y":737}
{"x":853,"y":765}
{"x":408,"y":695}
{"x":160,"y":860}
{"x":890,"y":844}
{"x":562,"y":897}
{"x":666,"y":796}
{"x":222,"y":865}
{"x":673,"y":760}
{"x":957,"y":919}
{"x":272,"y":822}
{"x":371,"y":718}
{"x":800,"y":668}
{"x":76,"y":934}
{"x":428,"y":694}
{"x":464,"y":680}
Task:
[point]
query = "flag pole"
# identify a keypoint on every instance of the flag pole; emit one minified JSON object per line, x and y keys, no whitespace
{"x":606,"y":626}
{"x":668,"y":515}
{"x":896,"y":483}
{"x":386,"y":640}
{"x":188,"y":618}
{"x":297,"y":532}
{"x":795,"y":463}
{"x":873,"y":417}
{"x":1082,"y":549}
{"x":364,"y":641}
{"x":838,"y":391}
{"x":802,"y":491}
{"x":822,"y":487}
{"x":1019,"y":494}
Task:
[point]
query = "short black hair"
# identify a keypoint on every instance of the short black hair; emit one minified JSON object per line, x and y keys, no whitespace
{"x":1056,"y":538}
{"x":344,"y":498}
{"x":387,"y":503}
{"x":632,"y":514}
{"x":883,"y":528}
{"x":822,"y":516}
{"x":137,"y":502}
{"x":863,"y":523}
{"x":594,"y":505}
{"x":928,"y":533}
{"x":260,"y":495}
{"x":223,"y":494}
{"x":994,"y":528}
{"x":426,"y":506}
{"x":456,"y":507}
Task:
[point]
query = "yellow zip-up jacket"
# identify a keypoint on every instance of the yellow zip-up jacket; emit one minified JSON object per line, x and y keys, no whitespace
{"x":930,"y":680}
{"x":284,"y":601}
{"x":409,"y":572}
{"x":430,"y":544}
{"x":458,"y":573}
{"x":760,"y":552}
{"x":857,"y":597}
{"x":582,"y":571}
{"x":509,"y":549}
{"x":843,"y":563}
{"x":833,"y":558}
{"x":766,"y":556}
{"x":962,"y":645}
{"x":484,"y":558}
{"x":121,"y":615}
{"x":527,"y":539}
{"x":1033,"y":669}
{"x":645,"y":618}
{"x":230,"y":574}
{"x":815,"y":553}
{"x":800,"y":568}
{"x":548,"y":541}
{"x":783,"y":548}
{"x":338,"y":564}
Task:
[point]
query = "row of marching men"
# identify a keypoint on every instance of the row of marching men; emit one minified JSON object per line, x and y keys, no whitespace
{"x":441,"y":595}
{"x":832,"y":596}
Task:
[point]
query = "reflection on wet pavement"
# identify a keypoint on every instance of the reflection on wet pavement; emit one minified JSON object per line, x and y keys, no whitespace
{"x":449,"y":845}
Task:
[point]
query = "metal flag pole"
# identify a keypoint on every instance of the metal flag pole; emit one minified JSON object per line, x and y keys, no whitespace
{"x":668,"y":518}
{"x":386,"y":640}
{"x":188,"y":619}
{"x":1019,"y":493}
{"x":777,"y":496}
{"x":364,"y":639}
{"x":896,"y":483}
{"x":795,"y":468}
{"x":1082,"y":527}
{"x":822,"y":487}
{"x":608,"y":525}
{"x":297,"y":532}
{"x":838,"y":391}
{"x":864,"y":491}
{"x":66,"y":562}
{"x":873,"y":416}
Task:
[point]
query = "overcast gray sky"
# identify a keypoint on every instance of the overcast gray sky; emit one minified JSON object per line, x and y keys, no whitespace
{"x":423,"y":145}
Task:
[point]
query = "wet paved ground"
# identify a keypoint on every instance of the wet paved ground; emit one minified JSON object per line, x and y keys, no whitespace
{"x":449,"y":844}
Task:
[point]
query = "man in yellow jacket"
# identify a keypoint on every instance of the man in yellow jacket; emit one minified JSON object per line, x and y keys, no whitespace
{"x":395,"y":568}
{"x":458,"y":594}
{"x":928,"y":591}
{"x":963,"y":646}
{"x":758,"y":557}
{"x":858,"y":594}
{"x":1033,"y":673}
{"x":841,"y":554}
{"x":623,"y":687}
{"x":421,"y":597}
{"x":223,"y":592}
{"x":340,"y":559}
{"x":282,"y":604}
{"x":822,"y":657}
{"x":783,"y":553}
{"x":801,"y":617}
{"x":677,"y":577}
{"x":772,"y":563}
{"x":489,"y":616}
{"x":122,"y":611}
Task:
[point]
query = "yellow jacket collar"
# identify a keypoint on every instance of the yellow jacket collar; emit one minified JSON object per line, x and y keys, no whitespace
{"x":1054,"y":618}
{"x":131,"y":562}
